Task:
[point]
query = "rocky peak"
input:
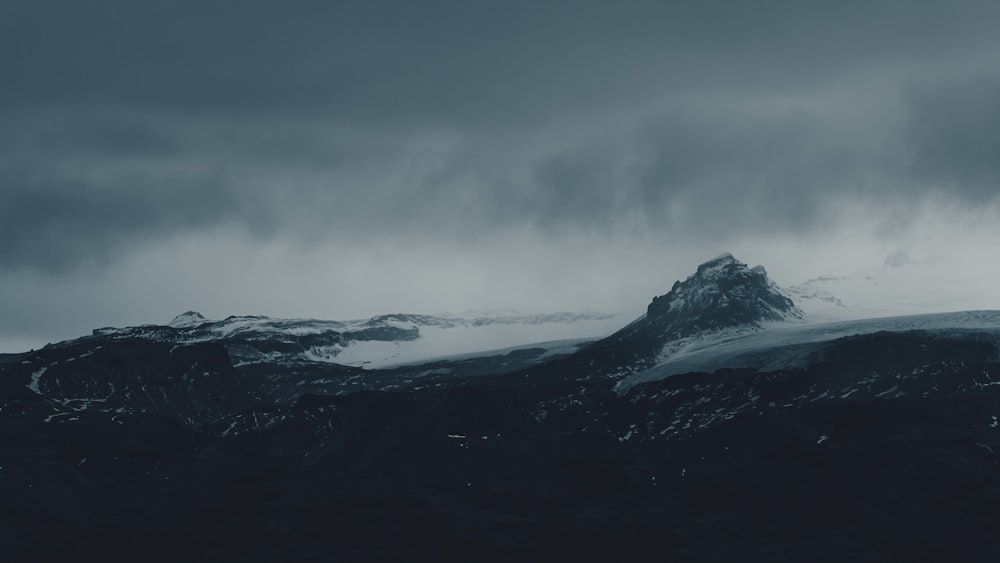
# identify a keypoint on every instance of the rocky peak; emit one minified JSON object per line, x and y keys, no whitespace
{"x":717,"y":264}
{"x":722,"y":292}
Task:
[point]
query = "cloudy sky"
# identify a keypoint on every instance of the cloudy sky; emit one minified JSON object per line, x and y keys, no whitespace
{"x":340,"y":159}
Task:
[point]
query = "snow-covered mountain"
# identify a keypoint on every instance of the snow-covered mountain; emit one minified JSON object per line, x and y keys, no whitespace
{"x":724,"y":295}
{"x":727,"y":315}
{"x":723,"y":292}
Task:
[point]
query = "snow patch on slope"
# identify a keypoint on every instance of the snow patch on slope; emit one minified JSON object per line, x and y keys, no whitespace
{"x":36,"y":380}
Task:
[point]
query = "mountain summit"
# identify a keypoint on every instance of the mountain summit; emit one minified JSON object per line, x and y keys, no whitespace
{"x":723,"y":293}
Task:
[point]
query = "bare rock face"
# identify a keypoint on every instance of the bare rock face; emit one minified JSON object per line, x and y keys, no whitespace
{"x":723,"y":292}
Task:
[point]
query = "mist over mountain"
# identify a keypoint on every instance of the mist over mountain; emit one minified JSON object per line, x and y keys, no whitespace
{"x":727,"y":423}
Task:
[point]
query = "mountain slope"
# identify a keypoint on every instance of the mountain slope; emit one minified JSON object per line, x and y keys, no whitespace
{"x":799,"y":345}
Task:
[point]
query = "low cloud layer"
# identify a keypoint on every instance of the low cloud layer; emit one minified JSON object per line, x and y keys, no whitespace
{"x":464,"y":140}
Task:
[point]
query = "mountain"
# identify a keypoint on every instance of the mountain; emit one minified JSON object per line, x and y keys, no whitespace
{"x":726,"y":424}
{"x":724,"y":295}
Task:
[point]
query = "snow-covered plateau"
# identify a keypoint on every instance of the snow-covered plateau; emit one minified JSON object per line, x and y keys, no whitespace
{"x":381,"y":341}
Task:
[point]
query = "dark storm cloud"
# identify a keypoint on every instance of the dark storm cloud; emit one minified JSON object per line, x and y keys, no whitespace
{"x":953,"y":136}
{"x":58,"y":135}
{"x":128,"y":121}
{"x":53,"y":221}
{"x":449,"y":60}
{"x":580,"y":187}
{"x":744,"y":171}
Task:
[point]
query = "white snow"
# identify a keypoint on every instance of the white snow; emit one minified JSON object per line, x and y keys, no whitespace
{"x":36,"y":379}
{"x":231,"y":428}
{"x":53,"y":416}
{"x":467,"y":340}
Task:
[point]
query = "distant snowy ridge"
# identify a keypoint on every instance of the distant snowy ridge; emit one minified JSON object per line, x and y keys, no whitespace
{"x":900,"y":286}
{"x":379,"y":341}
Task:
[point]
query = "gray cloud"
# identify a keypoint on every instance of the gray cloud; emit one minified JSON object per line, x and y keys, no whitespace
{"x":125,"y":125}
{"x":53,"y":221}
{"x":953,"y":136}
{"x":453,"y":60}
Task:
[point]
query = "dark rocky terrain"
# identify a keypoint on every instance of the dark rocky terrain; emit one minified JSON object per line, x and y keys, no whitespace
{"x":883,"y":448}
